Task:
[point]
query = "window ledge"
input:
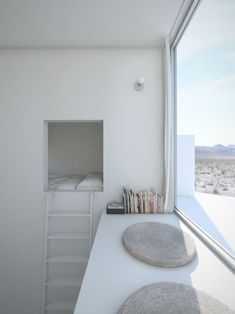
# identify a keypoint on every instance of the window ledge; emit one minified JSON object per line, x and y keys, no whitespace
{"x":194,"y":216}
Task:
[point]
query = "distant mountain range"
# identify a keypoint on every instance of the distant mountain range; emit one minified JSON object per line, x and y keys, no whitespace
{"x":215,"y":152}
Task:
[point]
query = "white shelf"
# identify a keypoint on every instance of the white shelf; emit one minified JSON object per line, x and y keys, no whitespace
{"x":64,"y":282}
{"x":67,"y":236}
{"x":66,"y":259}
{"x":68,"y":213}
{"x":60,"y":306}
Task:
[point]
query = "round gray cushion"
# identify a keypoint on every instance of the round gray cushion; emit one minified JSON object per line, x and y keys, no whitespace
{"x":159,"y":244}
{"x":172,"y":298}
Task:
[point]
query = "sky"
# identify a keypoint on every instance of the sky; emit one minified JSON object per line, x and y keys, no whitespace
{"x":206,"y":75}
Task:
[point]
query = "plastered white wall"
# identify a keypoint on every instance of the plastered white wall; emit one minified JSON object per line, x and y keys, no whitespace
{"x":75,"y":147}
{"x":96,"y":84}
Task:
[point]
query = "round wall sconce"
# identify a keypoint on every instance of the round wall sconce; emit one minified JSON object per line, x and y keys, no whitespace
{"x":139,"y":84}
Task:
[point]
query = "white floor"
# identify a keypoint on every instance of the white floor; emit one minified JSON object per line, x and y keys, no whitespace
{"x":112,"y":274}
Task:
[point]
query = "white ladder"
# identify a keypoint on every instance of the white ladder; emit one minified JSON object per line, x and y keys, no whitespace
{"x":54,"y":283}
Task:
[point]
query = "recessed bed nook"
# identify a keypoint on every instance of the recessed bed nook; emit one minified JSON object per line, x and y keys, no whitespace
{"x":73,"y":156}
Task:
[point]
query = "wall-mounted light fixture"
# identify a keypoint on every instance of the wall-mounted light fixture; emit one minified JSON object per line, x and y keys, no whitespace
{"x":139,"y":84}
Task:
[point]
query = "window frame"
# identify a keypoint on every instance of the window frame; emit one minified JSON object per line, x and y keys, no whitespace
{"x":225,"y":256}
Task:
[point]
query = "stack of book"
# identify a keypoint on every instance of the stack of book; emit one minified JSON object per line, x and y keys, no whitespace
{"x":142,"y":202}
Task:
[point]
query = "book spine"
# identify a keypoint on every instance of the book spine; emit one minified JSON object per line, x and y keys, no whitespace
{"x":151,"y":203}
{"x":131,"y":203}
{"x":139,"y":205}
{"x":143,"y":197}
{"x":159,"y":203}
{"x":136,"y":204}
{"x":141,"y":202}
{"x":124,"y":200}
{"x":155,"y":203}
{"x":147,"y":202}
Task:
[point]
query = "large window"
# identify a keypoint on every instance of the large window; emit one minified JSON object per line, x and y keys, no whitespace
{"x":206,"y":120}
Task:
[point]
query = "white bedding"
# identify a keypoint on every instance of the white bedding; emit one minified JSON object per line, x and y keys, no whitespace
{"x":91,"y":182}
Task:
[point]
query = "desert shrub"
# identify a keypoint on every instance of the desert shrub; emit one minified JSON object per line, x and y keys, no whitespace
{"x":215,"y":191}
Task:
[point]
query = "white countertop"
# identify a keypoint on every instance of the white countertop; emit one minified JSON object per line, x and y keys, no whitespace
{"x":113,"y":274}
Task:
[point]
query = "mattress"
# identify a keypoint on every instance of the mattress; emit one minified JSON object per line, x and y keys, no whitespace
{"x":76,"y":183}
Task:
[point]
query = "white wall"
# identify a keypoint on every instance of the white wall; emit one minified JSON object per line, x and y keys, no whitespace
{"x":38,"y":85}
{"x":185,"y":165}
{"x":75,"y":147}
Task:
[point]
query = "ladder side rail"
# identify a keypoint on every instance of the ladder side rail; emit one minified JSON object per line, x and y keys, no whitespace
{"x":48,"y":198}
{"x":91,"y":217}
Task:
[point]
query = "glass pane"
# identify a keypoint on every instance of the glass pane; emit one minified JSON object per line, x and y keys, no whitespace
{"x":206,"y":120}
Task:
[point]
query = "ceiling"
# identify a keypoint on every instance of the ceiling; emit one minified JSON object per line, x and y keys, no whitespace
{"x":86,"y":23}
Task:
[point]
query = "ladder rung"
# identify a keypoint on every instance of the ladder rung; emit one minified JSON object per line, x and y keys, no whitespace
{"x":64,"y":282}
{"x":66,"y":259}
{"x":60,"y":306}
{"x":67,"y":236}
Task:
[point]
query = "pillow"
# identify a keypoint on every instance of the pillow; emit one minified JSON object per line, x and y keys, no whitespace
{"x":95,"y":174}
{"x":92,"y":181}
{"x":66,"y":186}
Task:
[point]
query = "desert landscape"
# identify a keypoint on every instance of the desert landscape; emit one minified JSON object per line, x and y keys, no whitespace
{"x":215,"y":169}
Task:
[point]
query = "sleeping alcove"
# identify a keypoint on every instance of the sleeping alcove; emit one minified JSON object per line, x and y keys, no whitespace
{"x":74,"y":156}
